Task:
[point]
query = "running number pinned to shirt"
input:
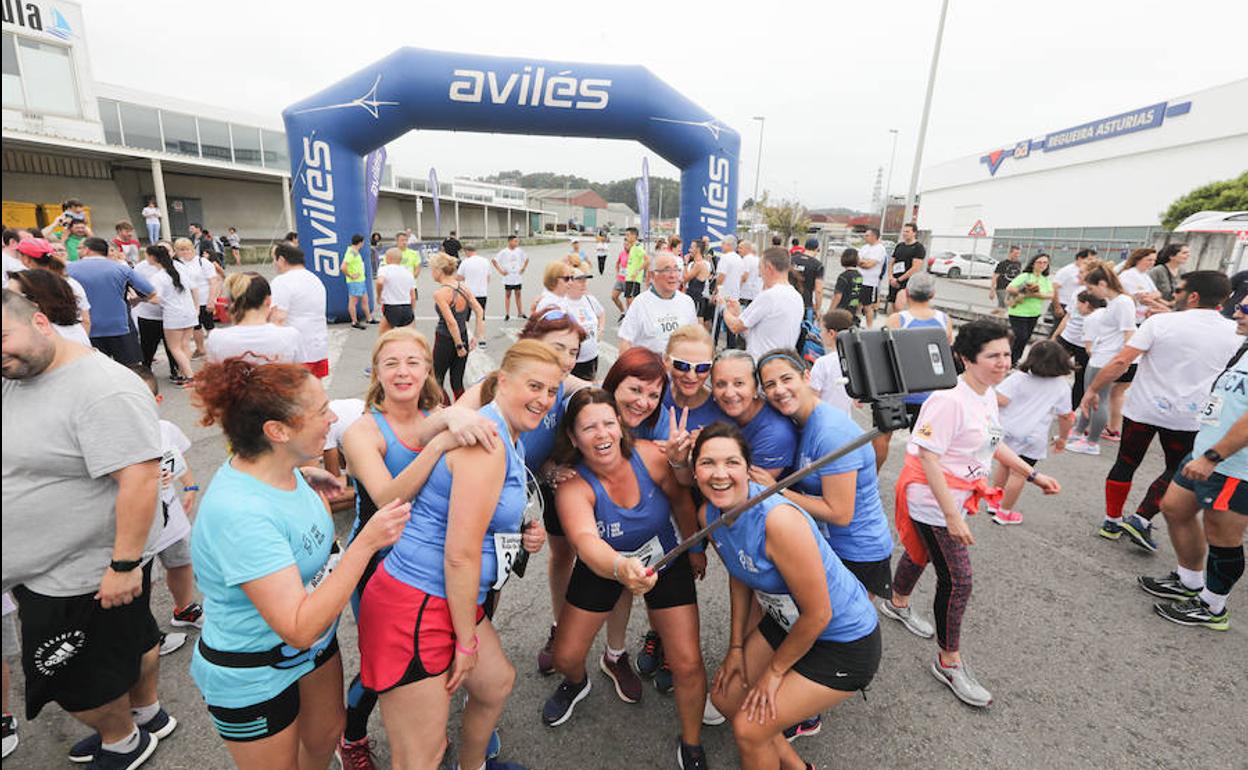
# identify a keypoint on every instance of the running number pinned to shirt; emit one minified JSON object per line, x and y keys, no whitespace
{"x":507,"y":547}
{"x":1211,"y":410}
{"x":779,"y":607}
{"x":649,"y":553}
{"x":667,"y":323}
{"x":335,"y":556}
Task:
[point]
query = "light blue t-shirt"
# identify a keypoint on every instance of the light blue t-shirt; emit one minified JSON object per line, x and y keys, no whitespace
{"x":866,"y":537}
{"x":1227,"y":403}
{"x":245,"y":530}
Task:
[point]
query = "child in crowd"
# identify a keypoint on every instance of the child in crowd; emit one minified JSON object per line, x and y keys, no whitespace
{"x":1069,"y":335}
{"x":847,"y":293}
{"x":1029,"y":399}
{"x":826,"y":377}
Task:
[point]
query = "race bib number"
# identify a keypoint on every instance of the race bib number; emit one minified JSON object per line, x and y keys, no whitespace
{"x":667,"y":324}
{"x":899,"y":268}
{"x":172,"y":465}
{"x":647,"y":554}
{"x":779,"y":607}
{"x":1211,"y":411}
{"x":335,"y":556}
{"x":506,"y":548}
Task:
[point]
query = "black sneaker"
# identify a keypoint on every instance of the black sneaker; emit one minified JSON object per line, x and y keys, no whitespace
{"x":558,"y":708}
{"x":650,"y":657}
{"x":663,"y":679}
{"x":690,"y":757}
{"x":159,"y":726}
{"x":1168,"y":587}
{"x":1194,"y":612}
{"x":111,"y":760}
{"x":1139,"y":531}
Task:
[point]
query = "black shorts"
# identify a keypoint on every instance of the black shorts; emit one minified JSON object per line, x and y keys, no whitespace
{"x":1129,"y":374}
{"x":79,"y":655}
{"x":845,"y":666}
{"x":481,"y":301}
{"x":550,"y":516}
{"x":398,"y":315}
{"x":1029,"y":460}
{"x":875,"y":576}
{"x":270,"y":717}
{"x":206,"y":321}
{"x":632,"y":288}
{"x":592,"y":593}
{"x":122,"y":348}
{"x":586,"y":370}
{"x":893,"y":291}
{"x":866,"y":295}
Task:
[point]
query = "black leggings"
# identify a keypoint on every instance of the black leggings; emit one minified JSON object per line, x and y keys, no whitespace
{"x":152,"y":336}
{"x":446,"y":360}
{"x":602,"y":263}
{"x":1080,"y":354}
{"x":1022,"y":326}
{"x":1136,"y":438}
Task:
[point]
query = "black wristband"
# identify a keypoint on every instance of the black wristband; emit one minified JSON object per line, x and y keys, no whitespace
{"x":123,"y":565}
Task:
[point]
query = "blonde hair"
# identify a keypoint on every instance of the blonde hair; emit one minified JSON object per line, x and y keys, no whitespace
{"x":523,"y":352}
{"x":444,"y":263}
{"x":553,"y":272}
{"x":430,"y":393}
{"x":247,"y":291}
{"x":179,"y":243}
{"x":690,"y":333}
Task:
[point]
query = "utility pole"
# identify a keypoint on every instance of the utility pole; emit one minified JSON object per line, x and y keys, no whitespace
{"x":889,"y":183}
{"x":758,"y":167}
{"x":927,"y":108}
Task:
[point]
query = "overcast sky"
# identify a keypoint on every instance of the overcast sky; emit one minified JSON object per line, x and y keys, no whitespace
{"x":831,"y":77}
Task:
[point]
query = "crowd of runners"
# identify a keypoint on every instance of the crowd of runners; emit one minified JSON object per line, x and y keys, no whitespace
{"x":727,"y":379}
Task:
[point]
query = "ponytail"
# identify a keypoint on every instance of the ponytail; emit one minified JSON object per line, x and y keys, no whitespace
{"x":161,"y":255}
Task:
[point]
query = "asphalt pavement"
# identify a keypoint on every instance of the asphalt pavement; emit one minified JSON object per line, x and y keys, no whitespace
{"x":1083,"y":673}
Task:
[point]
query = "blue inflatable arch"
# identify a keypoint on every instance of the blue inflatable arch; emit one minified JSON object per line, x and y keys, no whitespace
{"x":331,"y":132}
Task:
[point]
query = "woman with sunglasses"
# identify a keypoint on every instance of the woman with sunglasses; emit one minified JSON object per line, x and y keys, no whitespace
{"x":555,"y":280}
{"x":690,"y":354}
{"x":589,"y":314}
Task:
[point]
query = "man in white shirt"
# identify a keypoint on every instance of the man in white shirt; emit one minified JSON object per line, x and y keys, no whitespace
{"x":752,"y":277}
{"x":1068,"y":281}
{"x":396,"y":292}
{"x":871,"y":259}
{"x":774,"y":319}
{"x":1179,"y":356}
{"x":299,"y":301}
{"x":731,"y":274}
{"x":474,"y":270}
{"x":658,"y":312}
{"x":511,"y":264}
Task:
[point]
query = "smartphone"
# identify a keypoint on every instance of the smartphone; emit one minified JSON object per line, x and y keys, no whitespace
{"x":895,"y":362}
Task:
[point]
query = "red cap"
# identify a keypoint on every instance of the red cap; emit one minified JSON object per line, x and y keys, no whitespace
{"x":34,"y":247}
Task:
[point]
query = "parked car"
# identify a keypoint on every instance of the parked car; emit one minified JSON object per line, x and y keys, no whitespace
{"x":961,"y":265}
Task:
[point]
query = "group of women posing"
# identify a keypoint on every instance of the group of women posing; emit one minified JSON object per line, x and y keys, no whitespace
{"x":624,"y":472}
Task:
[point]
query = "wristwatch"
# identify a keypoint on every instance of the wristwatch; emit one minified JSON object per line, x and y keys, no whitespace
{"x":124,"y":565}
{"x":1212,"y":456}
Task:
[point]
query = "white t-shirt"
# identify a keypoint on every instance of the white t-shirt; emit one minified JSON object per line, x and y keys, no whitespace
{"x":964,"y":428}
{"x":650,"y":320}
{"x":1184,"y":353}
{"x":262,"y":343}
{"x":825,"y":378}
{"x":148,"y":310}
{"x":151,"y":215}
{"x":396,"y":284}
{"x":1067,"y":284}
{"x":75,"y":333}
{"x":1134,"y":281}
{"x":753,"y":285}
{"x":732,"y":268}
{"x":302,"y":296}
{"x":1106,"y":329}
{"x":1034,"y":402}
{"x":773,"y":320}
{"x":202,"y":272}
{"x":511,"y":261}
{"x":11,"y":265}
{"x":173,"y":447}
{"x":1072,"y":332}
{"x":348,"y":410}
{"x":476,"y":272}
{"x":585,"y":311}
{"x":177,"y":308}
{"x":80,"y":295}
{"x":877,"y":252}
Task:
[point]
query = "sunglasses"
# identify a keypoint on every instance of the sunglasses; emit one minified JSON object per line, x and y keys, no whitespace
{"x":681,"y":365}
{"x":1242,"y":308}
{"x":579,"y":278}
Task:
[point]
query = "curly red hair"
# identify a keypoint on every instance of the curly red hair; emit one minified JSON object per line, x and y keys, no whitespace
{"x":241,"y":396}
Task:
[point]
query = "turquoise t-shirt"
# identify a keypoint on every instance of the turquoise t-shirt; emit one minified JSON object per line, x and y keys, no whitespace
{"x":1227,"y":402}
{"x":245,"y":530}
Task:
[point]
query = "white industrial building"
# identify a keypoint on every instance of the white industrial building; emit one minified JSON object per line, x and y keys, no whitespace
{"x":1104,"y":183}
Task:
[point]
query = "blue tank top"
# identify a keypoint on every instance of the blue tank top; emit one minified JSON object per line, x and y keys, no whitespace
{"x":866,"y":537}
{"x":743,"y":549}
{"x":645,"y":529}
{"x":417,"y":558}
{"x":656,"y":432}
{"x":397,"y":457}
{"x":540,"y":442}
{"x":910,"y":322}
{"x":700,"y":417}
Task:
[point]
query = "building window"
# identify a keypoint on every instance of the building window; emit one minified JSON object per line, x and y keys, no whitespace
{"x":214,"y":140}
{"x":180,"y":135}
{"x":275,"y":150}
{"x":141,"y":126}
{"x":111,"y":121}
{"x":246,"y":144}
{"x":39,"y":77}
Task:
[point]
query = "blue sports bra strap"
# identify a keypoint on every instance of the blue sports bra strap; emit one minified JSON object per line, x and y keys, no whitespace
{"x":383,"y":425}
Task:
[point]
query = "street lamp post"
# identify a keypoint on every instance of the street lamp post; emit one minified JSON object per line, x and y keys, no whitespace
{"x":888,"y":183}
{"x":758,"y":167}
{"x":927,"y":108}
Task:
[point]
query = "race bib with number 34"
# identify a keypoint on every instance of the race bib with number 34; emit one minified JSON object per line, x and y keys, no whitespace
{"x":506,"y":548}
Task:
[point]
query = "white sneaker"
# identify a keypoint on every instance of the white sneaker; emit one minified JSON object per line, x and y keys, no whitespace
{"x":960,"y":679}
{"x":1083,"y":447}
{"x":710,"y":715}
{"x":914,"y":623}
{"x":171,"y":642}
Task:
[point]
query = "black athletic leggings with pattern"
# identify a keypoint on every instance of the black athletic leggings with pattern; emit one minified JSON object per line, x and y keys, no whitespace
{"x":1136,"y":438}
{"x":952,"y":561}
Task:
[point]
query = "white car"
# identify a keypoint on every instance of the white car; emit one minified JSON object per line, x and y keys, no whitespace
{"x":961,"y":265}
{"x":1214,"y":222}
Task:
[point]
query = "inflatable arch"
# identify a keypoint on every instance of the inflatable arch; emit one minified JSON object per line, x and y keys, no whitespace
{"x":330,"y":133}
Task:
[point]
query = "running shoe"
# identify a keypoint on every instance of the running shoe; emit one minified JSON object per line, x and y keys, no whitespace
{"x":1006,"y":517}
{"x":358,"y":325}
{"x":190,"y":615}
{"x":1166,"y":587}
{"x":1111,"y":435}
{"x":1140,"y":532}
{"x":804,"y":728}
{"x":651,"y":655}
{"x":112,"y":760}
{"x":355,"y":755}
{"x":494,"y":764}
{"x":494,"y":747}
{"x":8,"y":729}
{"x":627,"y":683}
{"x":373,"y":321}
{"x":506,"y":316}
{"x":960,"y":679}
{"x":710,"y":715}
{"x":558,"y":708}
{"x":171,"y":642}
{"x":546,"y":655}
{"x":1081,"y":446}
{"x":1194,"y":612}
{"x":663,"y":679}
{"x":690,"y":757}
{"x":159,"y":726}
{"x":914,"y":623}
{"x":1110,"y":529}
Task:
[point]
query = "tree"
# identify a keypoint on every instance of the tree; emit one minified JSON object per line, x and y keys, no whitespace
{"x":788,"y":218}
{"x":1227,"y":195}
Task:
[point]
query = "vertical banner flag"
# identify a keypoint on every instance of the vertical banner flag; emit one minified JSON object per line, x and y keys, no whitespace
{"x":374,"y":165}
{"x":437,"y":206}
{"x":645,"y":186}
